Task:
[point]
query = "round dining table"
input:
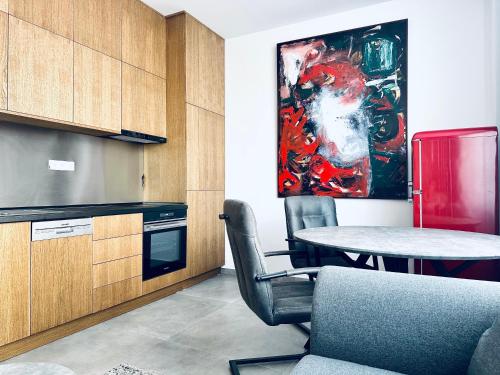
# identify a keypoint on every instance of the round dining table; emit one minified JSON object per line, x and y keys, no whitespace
{"x":435,"y":245}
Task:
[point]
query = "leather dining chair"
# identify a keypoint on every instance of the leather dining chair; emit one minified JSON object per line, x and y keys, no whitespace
{"x":311,"y":211}
{"x":276,"y":298}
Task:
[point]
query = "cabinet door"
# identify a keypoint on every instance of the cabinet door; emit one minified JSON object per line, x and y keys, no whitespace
{"x":61,"y":281}
{"x":97,"y":92}
{"x":4,"y":27}
{"x":205,"y":231}
{"x":40,"y":72}
{"x":205,"y":149}
{"x":143,"y":37}
{"x":14,"y":281}
{"x":4,"y":6}
{"x":204,"y":67}
{"x":98,"y":25}
{"x":52,"y":15}
{"x":143,"y":102}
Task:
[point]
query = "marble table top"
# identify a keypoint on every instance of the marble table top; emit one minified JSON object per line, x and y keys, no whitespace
{"x":405,"y":242}
{"x":34,"y":368}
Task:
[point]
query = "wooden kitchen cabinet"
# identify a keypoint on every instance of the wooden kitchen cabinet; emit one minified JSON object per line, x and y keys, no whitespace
{"x":117,"y":248}
{"x":143,"y":37}
{"x":204,"y":66}
{"x":97,"y":90}
{"x":4,"y":6}
{"x":205,"y":149}
{"x":14,"y":281}
{"x":40,"y":72}
{"x":116,"y":293}
{"x":4,"y":40}
{"x":117,"y":270}
{"x":98,"y":25}
{"x":52,"y":15}
{"x":143,"y":102}
{"x":116,"y":226}
{"x":205,"y":243}
{"x":61,"y":281}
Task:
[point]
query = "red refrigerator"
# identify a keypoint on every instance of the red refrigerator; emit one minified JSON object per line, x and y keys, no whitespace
{"x":455,"y":186}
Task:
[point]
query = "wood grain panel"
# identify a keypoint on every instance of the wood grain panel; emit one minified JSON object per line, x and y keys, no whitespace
{"x":61,"y":281}
{"x":98,"y":25}
{"x":205,"y":63}
{"x":97,"y":92}
{"x":40,"y":72}
{"x":43,"y":338}
{"x":164,"y":281}
{"x":143,"y":37}
{"x":117,"y":248}
{"x":117,"y":270}
{"x":206,"y":231}
{"x":143,"y":102}
{"x":116,"y":293}
{"x":52,"y":15}
{"x":165,"y":165}
{"x":4,"y":6}
{"x":204,"y":150}
{"x":14,"y":281}
{"x":116,"y":226}
{"x":4,"y":40}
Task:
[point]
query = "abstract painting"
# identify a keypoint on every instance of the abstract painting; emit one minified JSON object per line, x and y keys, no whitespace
{"x":342,"y":118}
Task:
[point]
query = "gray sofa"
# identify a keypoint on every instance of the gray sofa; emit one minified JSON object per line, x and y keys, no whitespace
{"x":368,"y":322}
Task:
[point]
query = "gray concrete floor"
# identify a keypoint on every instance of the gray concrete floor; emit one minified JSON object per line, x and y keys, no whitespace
{"x":195,"y":331}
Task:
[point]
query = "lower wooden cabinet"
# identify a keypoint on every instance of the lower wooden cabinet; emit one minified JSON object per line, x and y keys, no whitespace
{"x":4,"y":40}
{"x":117,"y":270}
{"x":61,"y":281}
{"x":116,"y":293}
{"x":14,"y":281}
{"x":205,"y":245}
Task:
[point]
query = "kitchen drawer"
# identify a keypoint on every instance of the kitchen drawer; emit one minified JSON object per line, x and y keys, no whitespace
{"x":116,"y":293}
{"x":117,"y":248}
{"x":117,"y":270}
{"x":117,"y":226}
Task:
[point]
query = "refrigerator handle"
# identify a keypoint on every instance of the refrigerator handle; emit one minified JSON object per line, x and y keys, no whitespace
{"x":410,"y":191}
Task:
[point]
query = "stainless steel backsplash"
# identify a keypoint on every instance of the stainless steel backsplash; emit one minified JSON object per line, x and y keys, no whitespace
{"x":106,"y":171}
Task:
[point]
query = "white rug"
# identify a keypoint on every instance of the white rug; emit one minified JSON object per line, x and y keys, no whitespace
{"x":125,"y":369}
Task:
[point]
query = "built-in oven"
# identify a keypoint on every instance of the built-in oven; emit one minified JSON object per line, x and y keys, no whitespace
{"x":164,"y":242}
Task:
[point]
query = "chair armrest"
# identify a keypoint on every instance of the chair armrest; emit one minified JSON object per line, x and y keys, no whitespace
{"x":291,"y":240}
{"x":283,"y":252}
{"x":287,"y":273}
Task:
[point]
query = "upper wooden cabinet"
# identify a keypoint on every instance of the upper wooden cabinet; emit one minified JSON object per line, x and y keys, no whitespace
{"x":4,"y":40}
{"x":4,"y":6}
{"x":97,"y":92}
{"x":204,"y":67}
{"x":143,"y":102}
{"x":143,"y":37}
{"x":14,"y":281}
{"x":40,"y":72}
{"x":53,"y":15}
{"x":98,"y":25}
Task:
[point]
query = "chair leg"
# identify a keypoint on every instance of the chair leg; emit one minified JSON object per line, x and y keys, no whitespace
{"x":234,"y":363}
{"x":303,"y":328}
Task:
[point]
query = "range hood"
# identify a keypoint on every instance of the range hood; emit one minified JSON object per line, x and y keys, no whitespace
{"x":135,"y":137}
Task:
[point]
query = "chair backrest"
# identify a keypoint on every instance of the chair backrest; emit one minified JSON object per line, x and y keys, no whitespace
{"x":307,"y":211}
{"x":411,"y":324}
{"x":248,"y":258}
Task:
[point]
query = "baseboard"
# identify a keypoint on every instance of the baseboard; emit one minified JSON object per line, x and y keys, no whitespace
{"x":32,"y":342}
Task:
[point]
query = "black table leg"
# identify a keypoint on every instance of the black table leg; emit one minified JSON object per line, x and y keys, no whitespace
{"x":396,"y":264}
{"x":317,"y":256}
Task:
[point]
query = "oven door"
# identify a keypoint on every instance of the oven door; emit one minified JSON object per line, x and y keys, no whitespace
{"x":164,"y":249}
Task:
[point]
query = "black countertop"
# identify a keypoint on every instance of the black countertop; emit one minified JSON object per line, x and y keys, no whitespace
{"x":12,"y":215}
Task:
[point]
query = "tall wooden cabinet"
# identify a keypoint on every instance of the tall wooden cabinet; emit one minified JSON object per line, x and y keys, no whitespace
{"x":14,"y":281}
{"x":190,"y":168}
{"x":4,"y":40}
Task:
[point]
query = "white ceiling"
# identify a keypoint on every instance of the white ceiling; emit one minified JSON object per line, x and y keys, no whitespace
{"x":232,"y":18}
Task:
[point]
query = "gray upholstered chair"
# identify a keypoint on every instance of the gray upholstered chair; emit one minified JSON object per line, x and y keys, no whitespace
{"x":366,"y":322}
{"x":311,"y":211}
{"x":275,"y":298}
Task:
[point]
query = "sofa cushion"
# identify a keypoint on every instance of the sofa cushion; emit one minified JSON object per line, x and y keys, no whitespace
{"x":486,"y":357}
{"x":316,"y":365}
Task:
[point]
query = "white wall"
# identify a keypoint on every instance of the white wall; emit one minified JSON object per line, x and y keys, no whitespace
{"x":450,"y":62}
